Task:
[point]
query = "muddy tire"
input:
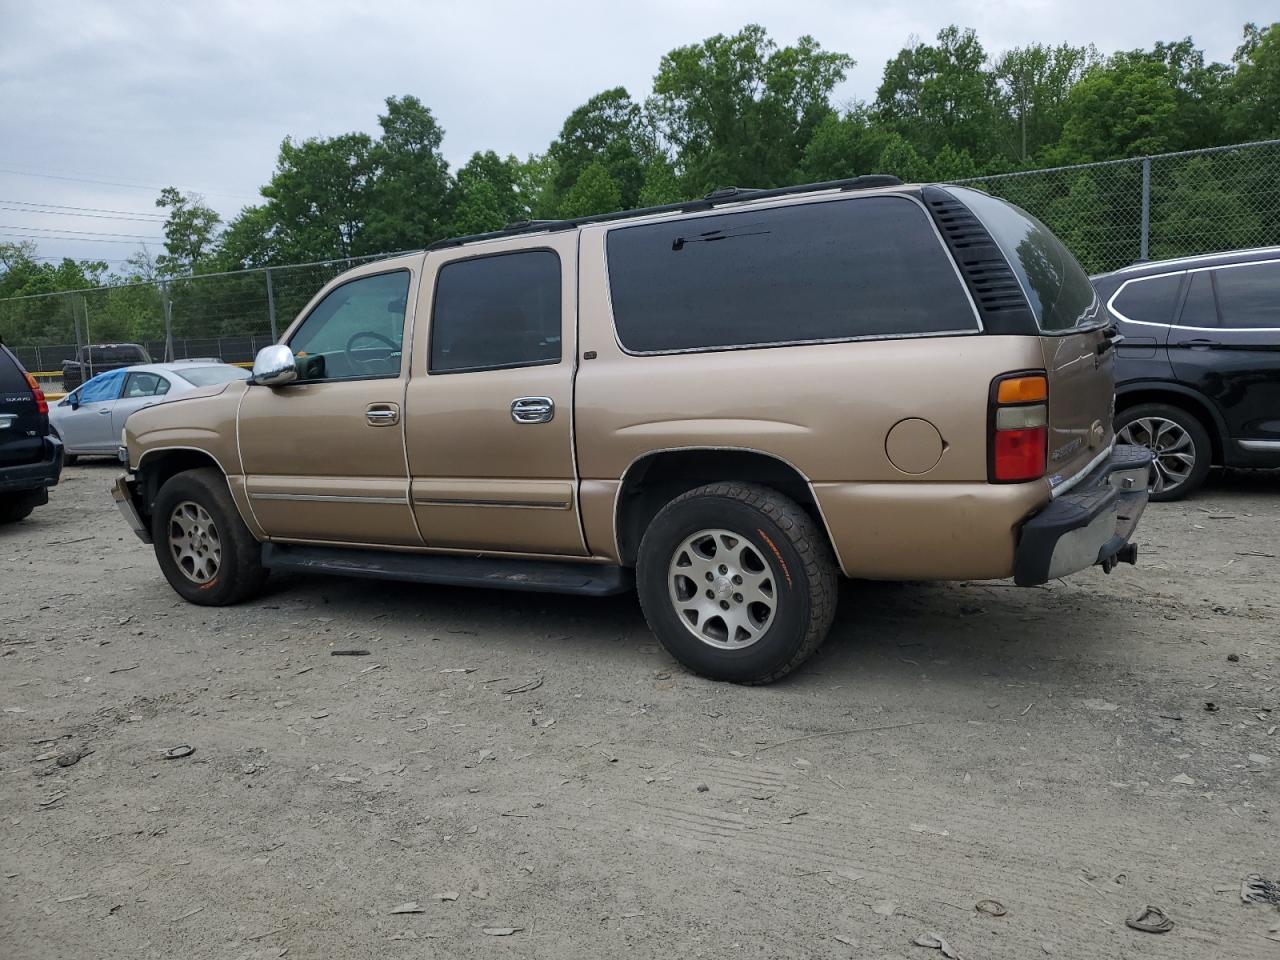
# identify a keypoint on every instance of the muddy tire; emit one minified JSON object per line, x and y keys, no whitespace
{"x":737,"y":582}
{"x":203,"y":547}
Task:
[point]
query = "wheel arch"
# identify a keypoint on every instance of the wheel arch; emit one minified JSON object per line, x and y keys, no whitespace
{"x":656,"y":478}
{"x":1196,"y":404}
{"x":157,"y":466}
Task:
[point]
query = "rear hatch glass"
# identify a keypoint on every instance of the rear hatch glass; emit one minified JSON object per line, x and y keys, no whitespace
{"x":1078,"y":357}
{"x":22,"y":429}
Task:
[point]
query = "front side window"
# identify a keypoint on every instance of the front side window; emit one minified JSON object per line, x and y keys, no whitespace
{"x":1249,"y":296}
{"x":805,"y":273}
{"x":498,"y":312}
{"x":105,"y":386}
{"x":1149,"y":300}
{"x":1057,"y":288}
{"x":356,"y":331}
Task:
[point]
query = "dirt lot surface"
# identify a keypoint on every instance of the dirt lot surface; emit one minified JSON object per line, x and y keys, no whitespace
{"x":534,"y":777}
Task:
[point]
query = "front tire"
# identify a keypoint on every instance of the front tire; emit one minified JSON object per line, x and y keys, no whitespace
{"x":737,"y":582}
{"x":1181,"y":445}
{"x":204,"y":549}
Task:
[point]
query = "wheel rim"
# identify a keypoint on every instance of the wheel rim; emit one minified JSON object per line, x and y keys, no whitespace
{"x":723,"y":589}
{"x":1175,"y":452}
{"x":194,"y":543}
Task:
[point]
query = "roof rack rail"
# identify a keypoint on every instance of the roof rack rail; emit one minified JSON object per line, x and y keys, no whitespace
{"x":717,"y":197}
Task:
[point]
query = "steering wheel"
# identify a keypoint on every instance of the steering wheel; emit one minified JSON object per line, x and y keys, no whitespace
{"x":355,"y":361}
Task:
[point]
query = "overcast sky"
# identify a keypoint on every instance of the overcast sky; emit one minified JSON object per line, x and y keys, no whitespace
{"x":199,"y":95}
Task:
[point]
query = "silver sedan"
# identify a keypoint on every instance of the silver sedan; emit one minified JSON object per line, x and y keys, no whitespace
{"x":90,"y":418}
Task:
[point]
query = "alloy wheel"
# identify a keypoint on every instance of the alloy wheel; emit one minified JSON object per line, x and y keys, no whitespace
{"x":722,"y":588}
{"x":1175,"y":453}
{"x":194,"y":542}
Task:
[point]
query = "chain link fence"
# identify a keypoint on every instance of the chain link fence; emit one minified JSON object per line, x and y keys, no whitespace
{"x":1169,"y":205}
{"x":229,"y":316}
{"x":1109,"y":214}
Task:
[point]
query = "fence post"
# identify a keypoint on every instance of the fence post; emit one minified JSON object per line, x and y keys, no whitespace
{"x":271,"y":305}
{"x":168,"y":322}
{"x":1145,"y":237}
{"x":87,"y":339}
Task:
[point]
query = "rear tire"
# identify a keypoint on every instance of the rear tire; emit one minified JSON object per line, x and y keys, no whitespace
{"x":18,"y":506}
{"x":1173,"y":434}
{"x":204,"y":549}
{"x":737,"y":582}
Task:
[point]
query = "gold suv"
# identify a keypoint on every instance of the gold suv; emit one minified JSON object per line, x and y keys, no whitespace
{"x":725,"y":404}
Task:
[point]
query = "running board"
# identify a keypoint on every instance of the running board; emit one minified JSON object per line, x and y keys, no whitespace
{"x":538,"y":576}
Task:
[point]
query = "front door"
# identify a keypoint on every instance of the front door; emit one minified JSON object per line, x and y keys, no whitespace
{"x":1227,"y":346}
{"x":489,"y":409}
{"x":85,"y":422}
{"x":324,"y":456}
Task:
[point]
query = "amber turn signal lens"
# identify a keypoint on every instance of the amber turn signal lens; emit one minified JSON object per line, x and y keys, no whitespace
{"x":1022,"y":390}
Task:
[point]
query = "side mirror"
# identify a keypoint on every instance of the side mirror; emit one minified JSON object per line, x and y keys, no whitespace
{"x":274,"y":366}
{"x":72,"y":402}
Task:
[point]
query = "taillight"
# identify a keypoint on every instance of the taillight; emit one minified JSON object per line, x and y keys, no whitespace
{"x":1019,"y":419}
{"x":42,"y":405}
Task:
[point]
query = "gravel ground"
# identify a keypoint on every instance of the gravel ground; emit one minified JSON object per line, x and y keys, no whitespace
{"x":508,"y":775}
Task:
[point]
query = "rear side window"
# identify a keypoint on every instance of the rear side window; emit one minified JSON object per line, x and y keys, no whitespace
{"x":1150,"y":300}
{"x":1249,"y":296}
{"x":869,"y":267}
{"x":1059,"y":291}
{"x":1199,"y":309}
{"x":493,"y":313}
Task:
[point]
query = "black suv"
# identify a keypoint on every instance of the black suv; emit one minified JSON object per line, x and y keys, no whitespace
{"x":30,"y":458}
{"x":1198,"y":370}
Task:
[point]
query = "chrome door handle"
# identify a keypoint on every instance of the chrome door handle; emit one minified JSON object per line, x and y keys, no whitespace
{"x":382,"y":415}
{"x":104,"y":412}
{"x":533,"y":409}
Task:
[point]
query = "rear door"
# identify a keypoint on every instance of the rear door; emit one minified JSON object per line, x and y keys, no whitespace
{"x":489,"y":425}
{"x":1079,"y":356}
{"x":1226,"y":345}
{"x":22,"y":428}
{"x":142,"y":388}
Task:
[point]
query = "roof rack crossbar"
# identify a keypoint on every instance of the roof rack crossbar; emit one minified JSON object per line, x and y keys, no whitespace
{"x":716,"y":198}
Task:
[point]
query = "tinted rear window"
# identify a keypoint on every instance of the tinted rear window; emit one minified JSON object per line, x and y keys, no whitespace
{"x":208,"y":376}
{"x":12,"y":379}
{"x":1059,"y":291}
{"x":1249,"y":296}
{"x":869,"y":267}
{"x":118,"y":354}
{"x":1200,"y":309}
{"x":1148,"y":301}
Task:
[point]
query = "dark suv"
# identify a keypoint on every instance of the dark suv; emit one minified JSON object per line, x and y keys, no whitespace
{"x":1198,"y":370}
{"x":30,"y":459}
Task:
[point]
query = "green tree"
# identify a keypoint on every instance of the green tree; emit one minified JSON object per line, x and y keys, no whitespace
{"x":1255,"y":87}
{"x":902,"y":160}
{"x":661,"y":184}
{"x":409,"y":188}
{"x":486,"y":195}
{"x":941,"y":94}
{"x":739,"y":110}
{"x":1034,"y":84}
{"x":593,"y":192}
{"x":608,"y":129}
{"x":844,"y":146}
{"x":190,"y":232}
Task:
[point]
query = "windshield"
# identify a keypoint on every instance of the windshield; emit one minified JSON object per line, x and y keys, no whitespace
{"x":1058,"y":290}
{"x":209,"y":376}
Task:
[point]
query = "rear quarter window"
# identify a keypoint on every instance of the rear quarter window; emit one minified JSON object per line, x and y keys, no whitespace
{"x":1148,"y":300}
{"x":838,"y":270}
{"x":1057,"y":288}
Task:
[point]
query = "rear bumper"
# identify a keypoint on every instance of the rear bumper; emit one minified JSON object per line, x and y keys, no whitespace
{"x":122,"y":491}
{"x":34,"y":476}
{"x":1089,"y":526}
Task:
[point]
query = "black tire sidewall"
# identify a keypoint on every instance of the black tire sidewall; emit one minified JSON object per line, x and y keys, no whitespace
{"x":1200,"y":441}
{"x":227,"y":584}
{"x":785,"y":636}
